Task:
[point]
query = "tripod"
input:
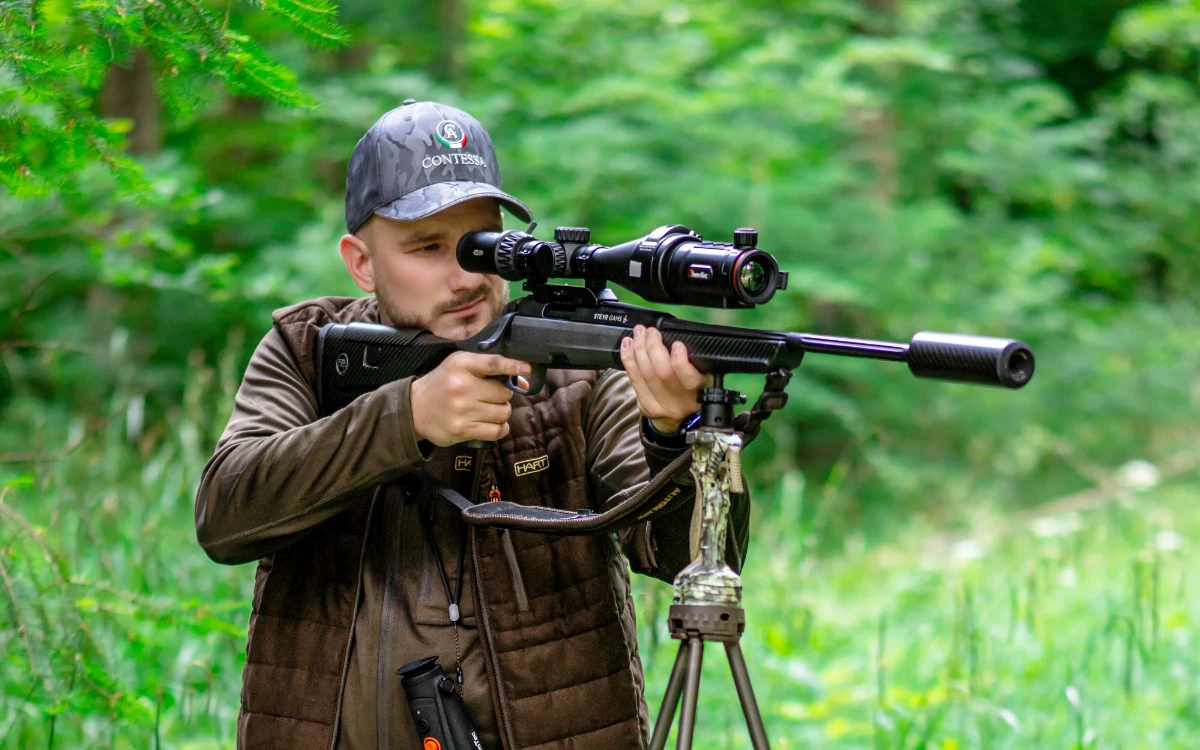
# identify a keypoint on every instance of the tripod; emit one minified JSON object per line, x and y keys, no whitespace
{"x":708,"y":593}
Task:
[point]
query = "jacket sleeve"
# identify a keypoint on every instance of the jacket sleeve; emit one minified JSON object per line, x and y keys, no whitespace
{"x":278,"y":470}
{"x":620,"y":455}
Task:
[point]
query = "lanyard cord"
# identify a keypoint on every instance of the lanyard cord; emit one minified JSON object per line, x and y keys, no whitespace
{"x":427,"y":521}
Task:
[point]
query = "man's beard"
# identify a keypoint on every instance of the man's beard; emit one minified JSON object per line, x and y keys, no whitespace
{"x":401,"y":317}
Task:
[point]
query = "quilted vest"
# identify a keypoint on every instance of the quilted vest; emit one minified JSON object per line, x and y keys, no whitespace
{"x":561,"y":654}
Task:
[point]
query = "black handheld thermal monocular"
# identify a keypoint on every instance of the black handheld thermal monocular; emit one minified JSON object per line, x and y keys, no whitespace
{"x":437,"y":710}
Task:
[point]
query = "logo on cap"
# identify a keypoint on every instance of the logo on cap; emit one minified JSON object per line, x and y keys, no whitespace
{"x":451,"y":134}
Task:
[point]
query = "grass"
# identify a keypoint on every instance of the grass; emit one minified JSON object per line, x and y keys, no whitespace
{"x":1075,"y":631}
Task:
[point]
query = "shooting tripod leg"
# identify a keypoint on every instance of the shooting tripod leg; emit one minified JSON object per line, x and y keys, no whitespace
{"x":666,"y":714}
{"x":691,"y":693}
{"x":741,"y":678}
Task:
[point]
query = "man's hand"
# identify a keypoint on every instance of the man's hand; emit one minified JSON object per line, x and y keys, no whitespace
{"x":665,"y":381}
{"x":460,"y":400}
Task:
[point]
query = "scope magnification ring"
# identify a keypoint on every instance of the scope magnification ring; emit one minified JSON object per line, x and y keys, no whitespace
{"x":506,"y":255}
{"x":559,"y":254}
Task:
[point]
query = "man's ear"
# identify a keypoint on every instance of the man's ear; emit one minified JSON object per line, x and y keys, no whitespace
{"x":357,"y":257}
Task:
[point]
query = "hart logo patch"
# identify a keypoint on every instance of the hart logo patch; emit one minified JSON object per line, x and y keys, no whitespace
{"x":532,"y":466}
{"x":463,"y":463}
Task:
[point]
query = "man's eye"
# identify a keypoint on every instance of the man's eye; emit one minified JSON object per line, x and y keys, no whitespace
{"x":428,"y":249}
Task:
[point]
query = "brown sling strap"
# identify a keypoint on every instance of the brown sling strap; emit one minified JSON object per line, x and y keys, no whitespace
{"x":627,"y":508}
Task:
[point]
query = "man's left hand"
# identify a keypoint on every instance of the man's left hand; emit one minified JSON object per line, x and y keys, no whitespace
{"x":664,"y":380}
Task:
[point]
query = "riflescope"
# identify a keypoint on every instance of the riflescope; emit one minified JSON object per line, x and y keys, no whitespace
{"x":672,"y":264}
{"x":437,"y":710}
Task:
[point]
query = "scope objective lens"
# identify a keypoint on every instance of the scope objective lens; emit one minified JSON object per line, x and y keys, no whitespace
{"x":753,"y":276}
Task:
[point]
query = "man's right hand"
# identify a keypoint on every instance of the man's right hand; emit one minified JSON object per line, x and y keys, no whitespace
{"x":461,"y":400}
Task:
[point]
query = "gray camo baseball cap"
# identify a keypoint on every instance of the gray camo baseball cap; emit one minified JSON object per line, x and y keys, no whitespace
{"x":418,"y":159}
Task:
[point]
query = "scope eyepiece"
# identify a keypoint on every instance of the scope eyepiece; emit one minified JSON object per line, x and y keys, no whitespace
{"x":672,"y":264}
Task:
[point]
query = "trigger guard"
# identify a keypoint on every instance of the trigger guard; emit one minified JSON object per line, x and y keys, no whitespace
{"x":537,"y":379}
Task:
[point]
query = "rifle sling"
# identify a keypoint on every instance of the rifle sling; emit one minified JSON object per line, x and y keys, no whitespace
{"x":626,"y":508}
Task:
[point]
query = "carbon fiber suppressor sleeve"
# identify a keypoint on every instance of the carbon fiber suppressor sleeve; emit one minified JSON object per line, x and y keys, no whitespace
{"x":970,"y":359}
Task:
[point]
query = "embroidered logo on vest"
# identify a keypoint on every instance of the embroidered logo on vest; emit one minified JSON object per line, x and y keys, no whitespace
{"x":463,"y":463}
{"x":532,"y":466}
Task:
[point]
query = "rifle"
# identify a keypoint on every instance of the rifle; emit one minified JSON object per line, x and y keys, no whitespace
{"x":573,"y":327}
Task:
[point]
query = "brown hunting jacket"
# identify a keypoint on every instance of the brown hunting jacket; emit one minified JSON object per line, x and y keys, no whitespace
{"x":344,"y":592}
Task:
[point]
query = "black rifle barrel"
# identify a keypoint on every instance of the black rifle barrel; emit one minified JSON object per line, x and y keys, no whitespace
{"x":848,"y":347}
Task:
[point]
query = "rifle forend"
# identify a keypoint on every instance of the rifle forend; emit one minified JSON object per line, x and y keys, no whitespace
{"x":356,"y":358}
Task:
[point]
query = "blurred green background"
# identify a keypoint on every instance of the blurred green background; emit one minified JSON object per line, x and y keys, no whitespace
{"x":933,"y":565}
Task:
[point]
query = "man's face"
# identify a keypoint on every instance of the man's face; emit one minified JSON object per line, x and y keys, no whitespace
{"x":412,"y":269}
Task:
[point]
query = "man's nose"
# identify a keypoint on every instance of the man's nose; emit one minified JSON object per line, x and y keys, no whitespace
{"x":461,"y":279}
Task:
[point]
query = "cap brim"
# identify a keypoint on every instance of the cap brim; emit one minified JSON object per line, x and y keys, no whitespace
{"x":429,"y":200}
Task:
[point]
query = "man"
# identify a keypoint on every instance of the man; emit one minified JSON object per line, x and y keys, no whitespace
{"x":358,"y":573}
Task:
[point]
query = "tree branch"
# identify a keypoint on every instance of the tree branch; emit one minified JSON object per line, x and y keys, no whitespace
{"x":27,"y":303}
{"x":21,"y":628}
{"x":51,"y":345}
{"x":12,"y":515}
{"x":38,"y":458}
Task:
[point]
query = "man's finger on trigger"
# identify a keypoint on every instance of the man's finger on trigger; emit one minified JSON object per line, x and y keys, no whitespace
{"x":488,"y":365}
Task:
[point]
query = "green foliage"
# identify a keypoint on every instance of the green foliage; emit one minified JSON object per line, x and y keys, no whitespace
{"x":110,"y":634}
{"x":987,"y":166}
{"x":54,"y":55}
